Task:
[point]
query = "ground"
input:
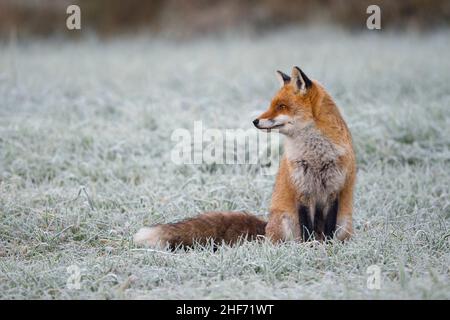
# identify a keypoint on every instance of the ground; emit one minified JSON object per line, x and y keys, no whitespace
{"x":85,"y":143}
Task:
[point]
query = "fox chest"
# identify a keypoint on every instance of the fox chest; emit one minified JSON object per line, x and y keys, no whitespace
{"x":315,"y":169}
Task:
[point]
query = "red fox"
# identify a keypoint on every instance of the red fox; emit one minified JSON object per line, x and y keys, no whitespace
{"x":313,"y":193}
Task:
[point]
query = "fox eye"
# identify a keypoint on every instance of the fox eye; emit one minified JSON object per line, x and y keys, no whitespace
{"x":281,"y":107}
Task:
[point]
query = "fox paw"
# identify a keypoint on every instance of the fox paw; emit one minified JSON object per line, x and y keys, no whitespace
{"x":344,"y":229}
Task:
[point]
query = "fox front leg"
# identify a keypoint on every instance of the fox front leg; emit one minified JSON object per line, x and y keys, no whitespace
{"x":283,"y":226}
{"x":344,"y":220}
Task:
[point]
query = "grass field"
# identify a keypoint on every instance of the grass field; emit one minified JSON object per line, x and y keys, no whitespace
{"x":85,"y":148}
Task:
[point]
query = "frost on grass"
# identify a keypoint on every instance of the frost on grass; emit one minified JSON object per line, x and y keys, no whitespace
{"x":85,"y":162}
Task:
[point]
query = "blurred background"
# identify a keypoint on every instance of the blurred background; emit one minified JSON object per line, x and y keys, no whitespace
{"x":188,"y":18}
{"x":87,"y":132}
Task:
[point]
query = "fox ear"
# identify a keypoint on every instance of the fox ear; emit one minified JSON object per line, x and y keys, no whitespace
{"x":283,"y":78}
{"x":299,"y":80}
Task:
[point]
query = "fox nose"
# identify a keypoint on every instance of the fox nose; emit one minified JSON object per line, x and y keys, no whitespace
{"x":255,"y":122}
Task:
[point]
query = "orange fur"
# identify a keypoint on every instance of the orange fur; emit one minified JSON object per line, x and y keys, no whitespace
{"x":300,"y":105}
{"x":317,"y":106}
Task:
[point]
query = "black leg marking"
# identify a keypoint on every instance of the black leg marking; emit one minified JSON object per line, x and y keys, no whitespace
{"x":306,"y":228}
{"x":319,"y":222}
{"x":330,"y":223}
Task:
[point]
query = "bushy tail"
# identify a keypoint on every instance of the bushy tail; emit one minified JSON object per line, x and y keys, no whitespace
{"x":227,"y":227}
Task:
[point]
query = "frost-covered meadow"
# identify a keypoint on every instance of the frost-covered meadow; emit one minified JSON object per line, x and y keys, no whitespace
{"x":85,"y":146}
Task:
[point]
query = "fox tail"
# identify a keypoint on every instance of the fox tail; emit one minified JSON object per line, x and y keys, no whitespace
{"x":218,"y":227}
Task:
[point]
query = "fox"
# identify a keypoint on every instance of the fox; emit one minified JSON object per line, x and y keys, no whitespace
{"x":312,"y":197}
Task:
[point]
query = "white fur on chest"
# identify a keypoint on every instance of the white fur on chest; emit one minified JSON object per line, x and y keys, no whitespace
{"x":314,"y":164}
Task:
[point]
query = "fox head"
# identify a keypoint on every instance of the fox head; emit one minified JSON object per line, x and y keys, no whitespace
{"x":292,"y":107}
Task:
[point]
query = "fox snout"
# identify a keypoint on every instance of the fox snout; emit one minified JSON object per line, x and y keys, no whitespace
{"x":271,"y":123}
